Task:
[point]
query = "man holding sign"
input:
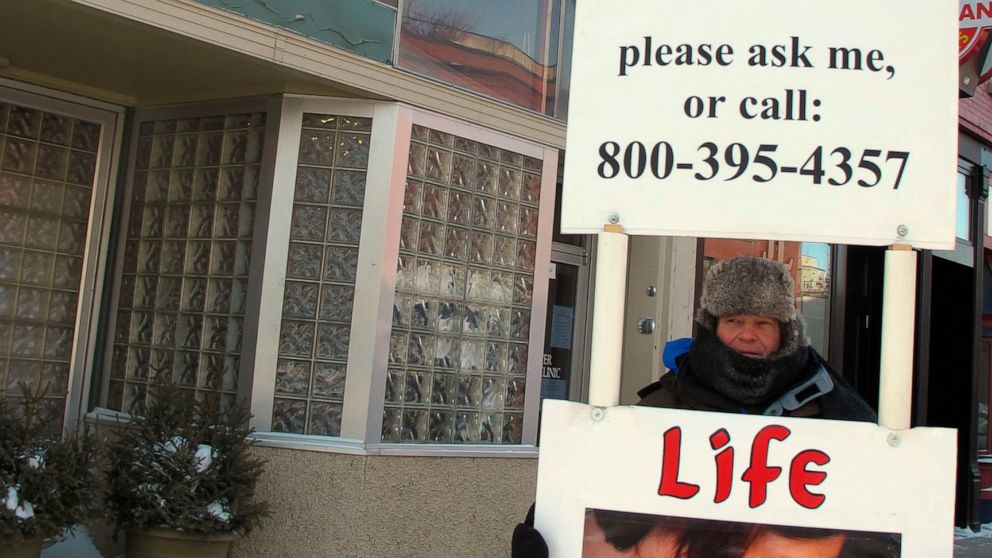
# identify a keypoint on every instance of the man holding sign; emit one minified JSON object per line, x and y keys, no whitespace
{"x":801,"y":121}
{"x":750,"y":355}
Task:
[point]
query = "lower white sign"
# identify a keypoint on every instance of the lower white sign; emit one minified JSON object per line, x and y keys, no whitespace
{"x":664,"y":483}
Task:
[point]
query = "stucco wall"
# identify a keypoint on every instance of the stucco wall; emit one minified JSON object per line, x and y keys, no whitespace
{"x":327,"y":504}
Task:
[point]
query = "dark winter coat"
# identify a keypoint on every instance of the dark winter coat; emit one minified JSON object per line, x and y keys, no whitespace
{"x":713,"y":377}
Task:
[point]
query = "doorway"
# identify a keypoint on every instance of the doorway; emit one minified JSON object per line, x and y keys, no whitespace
{"x":563,"y":371}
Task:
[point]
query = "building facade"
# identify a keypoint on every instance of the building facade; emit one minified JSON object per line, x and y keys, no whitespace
{"x":344,"y":214}
{"x":340,"y":213}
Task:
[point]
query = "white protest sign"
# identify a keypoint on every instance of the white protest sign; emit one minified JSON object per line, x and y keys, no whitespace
{"x":851,"y":483}
{"x":776,"y":119}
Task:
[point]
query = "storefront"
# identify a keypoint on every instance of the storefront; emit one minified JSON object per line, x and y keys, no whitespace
{"x":340,"y":214}
{"x":345,"y":214}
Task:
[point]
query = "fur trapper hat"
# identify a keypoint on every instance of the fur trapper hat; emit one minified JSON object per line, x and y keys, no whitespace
{"x":752,"y":285}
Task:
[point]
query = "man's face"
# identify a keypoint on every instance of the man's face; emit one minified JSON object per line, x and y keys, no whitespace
{"x":750,"y":335}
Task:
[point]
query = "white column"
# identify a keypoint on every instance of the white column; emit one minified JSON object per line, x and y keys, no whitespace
{"x":895,"y":391}
{"x":608,"y":314}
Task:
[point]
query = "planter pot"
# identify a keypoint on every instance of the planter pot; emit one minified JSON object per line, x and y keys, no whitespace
{"x":169,"y":543}
{"x":29,"y":548}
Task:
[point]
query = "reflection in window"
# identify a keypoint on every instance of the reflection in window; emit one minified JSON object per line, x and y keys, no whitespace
{"x":508,"y":50}
{"x":809,"y":264}
{"x":814,"y":290}
{"x":984,"y":374}
{"x":984,"y":366}
{"x":988,"y":219}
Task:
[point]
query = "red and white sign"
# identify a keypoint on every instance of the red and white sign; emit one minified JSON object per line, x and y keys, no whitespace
{"x":975,"y":21}
{"x":686,"y":472}
{"x":975,"y":15}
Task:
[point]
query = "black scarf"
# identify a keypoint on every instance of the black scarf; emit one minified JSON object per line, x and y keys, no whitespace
{"x":750,"y":382}
{"x":716,"y":375}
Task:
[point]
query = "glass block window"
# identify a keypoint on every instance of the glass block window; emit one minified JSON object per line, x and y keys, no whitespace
{"x":324,"y":233}
{"x":464,"y":288}
{"x":186,"y":259}
{"x":47,"y":169}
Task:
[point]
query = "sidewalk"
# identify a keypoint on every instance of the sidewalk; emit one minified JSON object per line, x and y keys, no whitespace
{"x":78,"y":545}
{"x":973,"y":545}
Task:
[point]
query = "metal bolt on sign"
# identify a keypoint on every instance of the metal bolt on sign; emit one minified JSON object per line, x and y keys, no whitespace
{"x":614,"y":218}
{"x":902,"y":231}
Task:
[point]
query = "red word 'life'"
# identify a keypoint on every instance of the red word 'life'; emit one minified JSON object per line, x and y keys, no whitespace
{"x":758,"y":475}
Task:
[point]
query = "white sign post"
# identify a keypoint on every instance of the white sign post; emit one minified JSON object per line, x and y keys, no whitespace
{"x":814,"y":120}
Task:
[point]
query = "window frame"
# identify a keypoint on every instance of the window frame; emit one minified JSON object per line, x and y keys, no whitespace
{"x":87,"y":328}
{"x":100,"y":412}
{"x":986,"y":451}
{"x":963,"y":252}
{"x":278,"y":209}
{"x":364,"y":397}
{"x":375,"y":283}
{"x":549,"y":157}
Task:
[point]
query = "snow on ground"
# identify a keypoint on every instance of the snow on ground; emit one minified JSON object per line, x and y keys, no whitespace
{"x":961,"y":533}
{"x":76,"y":545}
